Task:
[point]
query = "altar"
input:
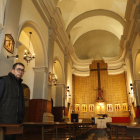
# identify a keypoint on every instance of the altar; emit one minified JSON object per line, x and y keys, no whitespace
{"x":101,"y":122}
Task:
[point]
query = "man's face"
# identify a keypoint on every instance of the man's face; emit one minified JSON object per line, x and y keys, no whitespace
{"x":18,"y":71}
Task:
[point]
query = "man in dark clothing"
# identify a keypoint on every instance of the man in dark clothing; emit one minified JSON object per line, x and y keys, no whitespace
{"x":12,"y":105}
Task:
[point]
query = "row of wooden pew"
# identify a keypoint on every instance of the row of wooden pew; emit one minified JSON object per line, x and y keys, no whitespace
{"x":49,"y":130}
{"x":123,"y":131}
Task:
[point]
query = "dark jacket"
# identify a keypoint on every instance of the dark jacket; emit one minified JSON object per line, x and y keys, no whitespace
{"x":12,"y":100}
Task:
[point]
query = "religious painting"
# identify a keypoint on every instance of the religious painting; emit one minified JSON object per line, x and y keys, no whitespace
{"x":91,"y":107}
{"x":84,"y":108}
{"x":9,"y":43}
{"x":117,"y":107}
{"x":124,"y":107}
{"x":109,"y":108}
{"x":100,"y":108}
{"x":77,"y":107}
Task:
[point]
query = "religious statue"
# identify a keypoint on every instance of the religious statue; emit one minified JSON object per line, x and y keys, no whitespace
{"x":100,"y":94}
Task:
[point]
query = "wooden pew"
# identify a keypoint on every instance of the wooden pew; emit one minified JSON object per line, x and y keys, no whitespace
{"x":118,"y":130}
{"x":133,"y":131}
{"x":7,"y":129}
{"x":72,"y":132}
{"x":121,"y":129}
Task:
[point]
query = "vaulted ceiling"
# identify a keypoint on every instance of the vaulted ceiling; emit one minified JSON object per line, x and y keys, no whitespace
{"x":94,"y":26}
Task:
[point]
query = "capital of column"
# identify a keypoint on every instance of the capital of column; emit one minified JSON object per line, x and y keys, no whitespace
{"x":40,"y":69}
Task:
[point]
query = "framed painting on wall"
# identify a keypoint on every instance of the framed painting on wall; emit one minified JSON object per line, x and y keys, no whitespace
{"x":124,"y":107}
{"x":117,"y":107}
{"x":77,"y":107}
{"x":109,"y":108}
{"x":84,"y":107}
{"x":9,"y":43}
{"x":91,"y":107}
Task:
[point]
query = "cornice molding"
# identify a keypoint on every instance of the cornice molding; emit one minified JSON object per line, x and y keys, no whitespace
{"x":117,"y":71}
{"x":44,"y":13}
{"x":50,"y":6}
{"x":129,"y":8}
{"x":80,"y":73}
{"x":58,"y":18}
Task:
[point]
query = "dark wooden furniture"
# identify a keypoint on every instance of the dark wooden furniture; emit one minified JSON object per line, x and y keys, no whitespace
{"x":124,"y":130}
{"x":133,"y":131}
{"x":7,"y":129}
{"x":82,"y":127}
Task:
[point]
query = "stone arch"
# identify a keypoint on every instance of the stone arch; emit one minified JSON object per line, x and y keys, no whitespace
{"x":60,"y":65}
{"x":98,"y":12}
{"x":37,"y":46}
{"x":26,"y":90}
{"x":37,"y":30}
{"x":58,"y":89}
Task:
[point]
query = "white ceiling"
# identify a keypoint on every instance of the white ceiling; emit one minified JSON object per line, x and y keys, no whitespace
{"x":84,"y":16}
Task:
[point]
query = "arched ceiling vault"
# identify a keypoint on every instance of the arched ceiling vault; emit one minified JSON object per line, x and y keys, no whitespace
{"x":90,"y":23}
{"x":98,"y":12}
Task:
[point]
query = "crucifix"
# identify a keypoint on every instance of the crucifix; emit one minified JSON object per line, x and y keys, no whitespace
{"x":99,"y":80}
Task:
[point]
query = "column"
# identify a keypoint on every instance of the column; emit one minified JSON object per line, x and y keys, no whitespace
{"x":65,"y":70}
{"x":50,"y":59}
{"x":131,"y":99}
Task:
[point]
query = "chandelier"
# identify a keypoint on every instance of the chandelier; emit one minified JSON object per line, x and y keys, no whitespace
{"x":27,"y":55}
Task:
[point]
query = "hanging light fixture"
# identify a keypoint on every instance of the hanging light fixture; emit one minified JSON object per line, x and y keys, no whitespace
{"x":27,"y":55}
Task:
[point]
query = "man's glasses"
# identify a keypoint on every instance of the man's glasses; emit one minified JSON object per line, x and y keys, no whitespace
{"x":19,"y":69}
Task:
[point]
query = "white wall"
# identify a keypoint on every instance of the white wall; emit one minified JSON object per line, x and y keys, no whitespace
{"x":58,"y":53}
{"x":2,"y":10}
{"x":59,"y":89}
{"x":29,"y":13}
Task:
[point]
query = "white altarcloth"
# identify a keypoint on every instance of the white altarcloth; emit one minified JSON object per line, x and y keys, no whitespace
{"x":101,"y":123}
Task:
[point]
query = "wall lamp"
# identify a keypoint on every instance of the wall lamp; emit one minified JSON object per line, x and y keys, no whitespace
{"x":68,"y":89}
{"x":131,"y":85}
{"x":12,"y":56}
{"x":54,"y":78}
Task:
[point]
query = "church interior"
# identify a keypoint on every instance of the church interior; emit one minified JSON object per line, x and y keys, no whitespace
{"x":81,"y":57}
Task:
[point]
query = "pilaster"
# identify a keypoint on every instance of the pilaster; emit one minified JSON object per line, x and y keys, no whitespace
{"x":39,"y":90}
{"x":137,"y":91}
{"x":1,"y":27}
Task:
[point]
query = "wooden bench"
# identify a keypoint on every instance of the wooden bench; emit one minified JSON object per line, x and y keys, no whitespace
{"x":119,"y":130}
{"x":7,"y":129}
{"x":73,"y":129}
{"x":133,"y":131}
